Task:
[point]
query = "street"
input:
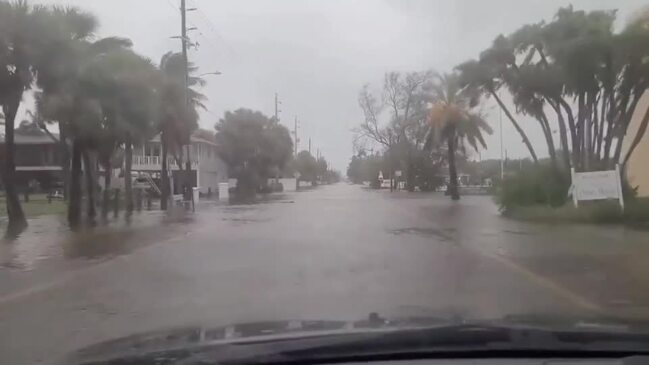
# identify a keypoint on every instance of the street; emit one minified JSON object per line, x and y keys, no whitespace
{"x":335,"y":252}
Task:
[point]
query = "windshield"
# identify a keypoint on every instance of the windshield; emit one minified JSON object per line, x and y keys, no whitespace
{"x":199,"y":164}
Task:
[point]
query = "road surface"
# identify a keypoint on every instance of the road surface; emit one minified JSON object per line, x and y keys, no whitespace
{"x":336,"y":252}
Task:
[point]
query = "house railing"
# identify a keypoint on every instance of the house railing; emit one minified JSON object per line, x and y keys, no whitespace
{"x":157,"y":161}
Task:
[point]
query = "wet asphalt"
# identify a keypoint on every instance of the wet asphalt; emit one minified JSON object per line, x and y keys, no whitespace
{"x":335,"y":252}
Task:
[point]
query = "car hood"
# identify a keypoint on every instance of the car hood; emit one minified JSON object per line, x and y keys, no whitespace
{"x":255,"y":332}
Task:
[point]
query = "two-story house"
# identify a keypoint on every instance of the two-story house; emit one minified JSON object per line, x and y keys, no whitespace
{"x":208,"y":170}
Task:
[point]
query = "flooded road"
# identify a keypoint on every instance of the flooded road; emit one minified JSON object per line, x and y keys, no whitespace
{"x":336,"y":252}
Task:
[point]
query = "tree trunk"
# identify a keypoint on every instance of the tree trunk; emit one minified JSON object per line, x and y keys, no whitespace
{"x":520,"y":130}
{"x":105,"y":201}
{"x":164,"y":178}
{"x":65,"y":159}
{"x":563,"y":135}
{"x":89,"y":173}
{"x":453,"y":189}
{"x":128,"y":187}
{"x":573,"y":130}
{"x":17,"y":221}
{"x":74,"y":205}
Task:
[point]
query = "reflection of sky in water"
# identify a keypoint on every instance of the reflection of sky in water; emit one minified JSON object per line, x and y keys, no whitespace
{"x":49,"y":237}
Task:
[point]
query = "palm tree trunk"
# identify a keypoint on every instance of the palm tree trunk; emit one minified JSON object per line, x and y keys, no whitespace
{"x":520,"y":130}
{"x":164,"y":180}
{"x":74,"y":205}
{"x":105,"y":201}
{"x":452,"y":169}
{"x":128,"y":188}
{"x":563,"y":135}
{"x":17,"y":221}
{"x":65,"y":159}
{"x":89,"y":172}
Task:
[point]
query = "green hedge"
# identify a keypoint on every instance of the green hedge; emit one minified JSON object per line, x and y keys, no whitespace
{"x":533,"y":186}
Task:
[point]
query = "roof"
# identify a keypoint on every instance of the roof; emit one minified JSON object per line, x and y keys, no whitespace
{"x":31,"y":139}
{"x":45,"y":139}
{"x":194,"y":139}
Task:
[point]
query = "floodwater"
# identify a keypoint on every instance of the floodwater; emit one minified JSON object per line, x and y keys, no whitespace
{"x":337,"y":252}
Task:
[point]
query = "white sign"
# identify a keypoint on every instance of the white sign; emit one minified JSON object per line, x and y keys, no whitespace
{"x":397,"y":173}
{"x":597,"y":185}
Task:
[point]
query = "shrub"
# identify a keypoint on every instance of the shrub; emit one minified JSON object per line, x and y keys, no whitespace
{"x":537,"y":185}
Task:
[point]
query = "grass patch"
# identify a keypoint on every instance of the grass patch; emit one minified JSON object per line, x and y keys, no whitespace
{"x":636,"y":213}
{"x":37,"y":206}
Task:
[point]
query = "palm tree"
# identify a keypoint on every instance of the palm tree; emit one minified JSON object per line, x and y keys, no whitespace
{"x":18,"y":45}
{"x":58,"y":61}
{"x":178,"y":116}
{"x":73,"y":98}
{"x":485,"y":75}
{"x":453,"y":121}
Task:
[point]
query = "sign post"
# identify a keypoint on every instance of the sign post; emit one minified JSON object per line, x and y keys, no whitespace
{"x":597,"y":185}
{"x":619,"y":185}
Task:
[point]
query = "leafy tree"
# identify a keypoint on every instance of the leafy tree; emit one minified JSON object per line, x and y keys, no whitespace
{"x":307,"y":166}
{"x":253,"y":146}
{"x":453,"y":121}
{"x":404,"y":99}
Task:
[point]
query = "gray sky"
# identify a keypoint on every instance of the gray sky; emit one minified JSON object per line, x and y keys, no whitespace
{"x":318,"y":53}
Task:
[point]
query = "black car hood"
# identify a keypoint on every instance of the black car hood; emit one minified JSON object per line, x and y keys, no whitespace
{"x":256,"y":332}
{"x":180,"y":337}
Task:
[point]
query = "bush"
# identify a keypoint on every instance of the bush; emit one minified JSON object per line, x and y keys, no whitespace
{"x":533,"y":186}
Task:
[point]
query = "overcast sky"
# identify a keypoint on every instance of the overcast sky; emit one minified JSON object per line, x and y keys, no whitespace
{"x":316,"y":54}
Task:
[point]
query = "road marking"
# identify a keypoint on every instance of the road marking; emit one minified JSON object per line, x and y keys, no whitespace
{"x":62,"y":279}
{"x":530,"y":275}
{"x":544,"y":282}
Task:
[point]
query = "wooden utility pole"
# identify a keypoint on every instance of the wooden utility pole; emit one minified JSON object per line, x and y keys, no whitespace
{"x":297,"y":140}
{"x":277,"y":102}
{"x":183,"y":38}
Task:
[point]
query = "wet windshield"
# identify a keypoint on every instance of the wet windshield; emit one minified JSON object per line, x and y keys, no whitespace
{"x":174,"y":163}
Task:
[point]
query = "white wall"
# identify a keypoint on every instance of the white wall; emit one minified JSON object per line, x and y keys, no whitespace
{"x":289,"y":184}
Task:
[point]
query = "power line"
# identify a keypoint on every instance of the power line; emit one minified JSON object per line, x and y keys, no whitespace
{"x":212,"y":27}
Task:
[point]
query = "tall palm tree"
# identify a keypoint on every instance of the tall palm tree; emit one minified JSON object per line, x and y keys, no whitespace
{"x":178,"y":116}
{"x":57,"y":62}
{"x":453,"y":121}
{"x":18,"y":45}
{"x":74,"y":100}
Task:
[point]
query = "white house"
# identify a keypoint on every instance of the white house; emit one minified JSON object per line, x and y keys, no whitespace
{"x":208,"y":170}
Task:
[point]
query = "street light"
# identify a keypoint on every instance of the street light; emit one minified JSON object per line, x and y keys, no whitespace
{"x":210,"y":73}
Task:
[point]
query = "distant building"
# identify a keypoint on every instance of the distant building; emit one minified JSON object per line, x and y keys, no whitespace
{"x":38,"y":158}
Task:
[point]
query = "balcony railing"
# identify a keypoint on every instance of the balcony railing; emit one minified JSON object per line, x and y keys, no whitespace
{"x":156,"y":161}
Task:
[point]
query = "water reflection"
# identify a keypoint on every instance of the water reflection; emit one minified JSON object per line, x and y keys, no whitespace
{"x":50,"y":237}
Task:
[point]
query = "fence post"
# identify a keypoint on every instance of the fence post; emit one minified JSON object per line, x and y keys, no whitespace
{"x":573,"y":187}
{"x":618,"y":175}
{"x":116,"y":204}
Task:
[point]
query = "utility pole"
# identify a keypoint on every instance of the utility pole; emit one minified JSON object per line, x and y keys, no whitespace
{"x":183,"y":39}
{"x":502,"y":162}
{"x":309,"y":145}
{"x":297,"y":140}
{"x":277,"y":102}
